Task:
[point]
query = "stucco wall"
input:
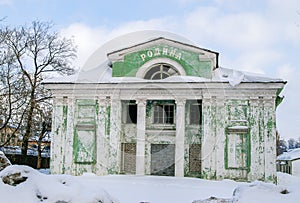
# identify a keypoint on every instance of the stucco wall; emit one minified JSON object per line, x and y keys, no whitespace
{"x":219,"y":113}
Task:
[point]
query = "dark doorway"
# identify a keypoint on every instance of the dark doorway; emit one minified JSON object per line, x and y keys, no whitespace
{"x":163,"y":159}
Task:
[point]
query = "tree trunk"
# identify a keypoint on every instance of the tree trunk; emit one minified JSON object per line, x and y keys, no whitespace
{"x":28,"y":126}
{"x":39,"y":157}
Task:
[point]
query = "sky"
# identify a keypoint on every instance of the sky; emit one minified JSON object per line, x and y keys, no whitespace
{"x":260,"y":36}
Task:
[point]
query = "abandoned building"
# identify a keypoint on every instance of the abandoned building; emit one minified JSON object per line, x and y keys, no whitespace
{"x":154,"y":103}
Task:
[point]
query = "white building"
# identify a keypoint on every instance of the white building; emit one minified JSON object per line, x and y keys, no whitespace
{"x":289,"y":162}
{"x":155,"y":103}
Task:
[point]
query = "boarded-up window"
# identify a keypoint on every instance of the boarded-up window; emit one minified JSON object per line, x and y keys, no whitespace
{"x":195,"y":158}
{"x":237,"y":152}
{"x":128,"y":158}
{"x":84,"y":145}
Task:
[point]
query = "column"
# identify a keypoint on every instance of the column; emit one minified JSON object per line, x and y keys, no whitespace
{"x":269,"y":130}
{"x":56,"y":164}
{"x":180,"y":134}
{"x":102,"y":143}
{"x":208,"y":150}
{"x":140,"y":136}
{"x":68,"y":165}
{"x":114,"y":135}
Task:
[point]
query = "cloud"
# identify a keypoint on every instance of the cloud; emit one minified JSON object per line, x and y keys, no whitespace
{"x":256,"y":61}
{"x":238,"y":30}
{"x":247,"y":40}
{"x":263,"y":41}
{"x":89,"y":39}
{"x":286,"y":72}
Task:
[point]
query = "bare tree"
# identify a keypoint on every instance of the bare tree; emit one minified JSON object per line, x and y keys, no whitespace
{"x":13,"y":93}
{"x":42,"y":126}
{"x":35,"y":51}
{"x":291,"y":143}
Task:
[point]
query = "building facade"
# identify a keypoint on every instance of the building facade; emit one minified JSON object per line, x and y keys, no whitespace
{"x":289,"y":162}
{"x":163,"y":106}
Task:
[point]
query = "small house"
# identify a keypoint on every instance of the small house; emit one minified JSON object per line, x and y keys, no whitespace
{"x":289,"y":162}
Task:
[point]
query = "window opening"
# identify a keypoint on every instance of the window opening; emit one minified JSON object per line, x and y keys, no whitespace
{"x":131,"y":112}
{"x":160,"y":71}
{"x":196,"y":113}
{"x":163,"y":114}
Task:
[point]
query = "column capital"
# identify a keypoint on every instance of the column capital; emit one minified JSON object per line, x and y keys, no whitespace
{"x":269,"y":101}
{"x":254,"y":101}
{"x":141,"y":101}
{"x":180,"y":101}
{"x":102,"y":101}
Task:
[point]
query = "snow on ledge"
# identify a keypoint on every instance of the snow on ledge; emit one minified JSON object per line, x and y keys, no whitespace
{"x":103,"y":74}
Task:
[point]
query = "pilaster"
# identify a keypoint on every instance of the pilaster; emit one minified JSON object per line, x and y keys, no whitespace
{"x":69,"y":104}
{"x":270,"y":138}
{"x":209,"y":137}
{"x":113,"y":131}
{"x":102,"y":142}
{"x":56,"y":164}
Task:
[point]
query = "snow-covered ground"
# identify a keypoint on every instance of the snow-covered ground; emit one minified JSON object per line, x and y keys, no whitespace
{"x":39,"y":187}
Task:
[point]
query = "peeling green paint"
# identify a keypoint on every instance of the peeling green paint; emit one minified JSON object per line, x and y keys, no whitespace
{"x":107,"y":120}
{"x":238,"y":114}
{"x":188,"y":60}
{"x":84,"y":140}
{"x":64,"y":119}
{"x":84,"y":147}
{"x":63,"y":169}
{"x":208,"y":173}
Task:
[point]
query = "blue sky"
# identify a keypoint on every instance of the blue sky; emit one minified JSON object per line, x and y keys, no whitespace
{"x":260,"y":36}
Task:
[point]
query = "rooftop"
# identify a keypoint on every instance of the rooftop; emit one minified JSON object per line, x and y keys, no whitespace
{"x":290,"y":155}
{"x":98,"y":69}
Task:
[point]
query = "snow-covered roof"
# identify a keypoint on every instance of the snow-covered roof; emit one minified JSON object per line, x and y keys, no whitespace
{"x":103,"y":74}
{"x":99,"y":57}
{"x":290,"y":155}
{"x":97,"y":68}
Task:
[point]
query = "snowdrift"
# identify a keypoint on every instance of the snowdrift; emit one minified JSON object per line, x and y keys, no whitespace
{"x":24,"y":184}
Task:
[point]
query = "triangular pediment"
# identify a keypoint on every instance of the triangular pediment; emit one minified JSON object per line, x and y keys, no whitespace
{"x":194,"y":61}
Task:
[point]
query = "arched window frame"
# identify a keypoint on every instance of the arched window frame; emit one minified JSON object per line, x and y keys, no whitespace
{"x":148,"y":65}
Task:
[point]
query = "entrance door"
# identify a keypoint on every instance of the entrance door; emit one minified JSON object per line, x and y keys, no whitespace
{"x":163,"y":159}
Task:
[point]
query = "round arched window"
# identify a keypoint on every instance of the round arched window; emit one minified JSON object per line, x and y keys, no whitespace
{"x":160,"y":71}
